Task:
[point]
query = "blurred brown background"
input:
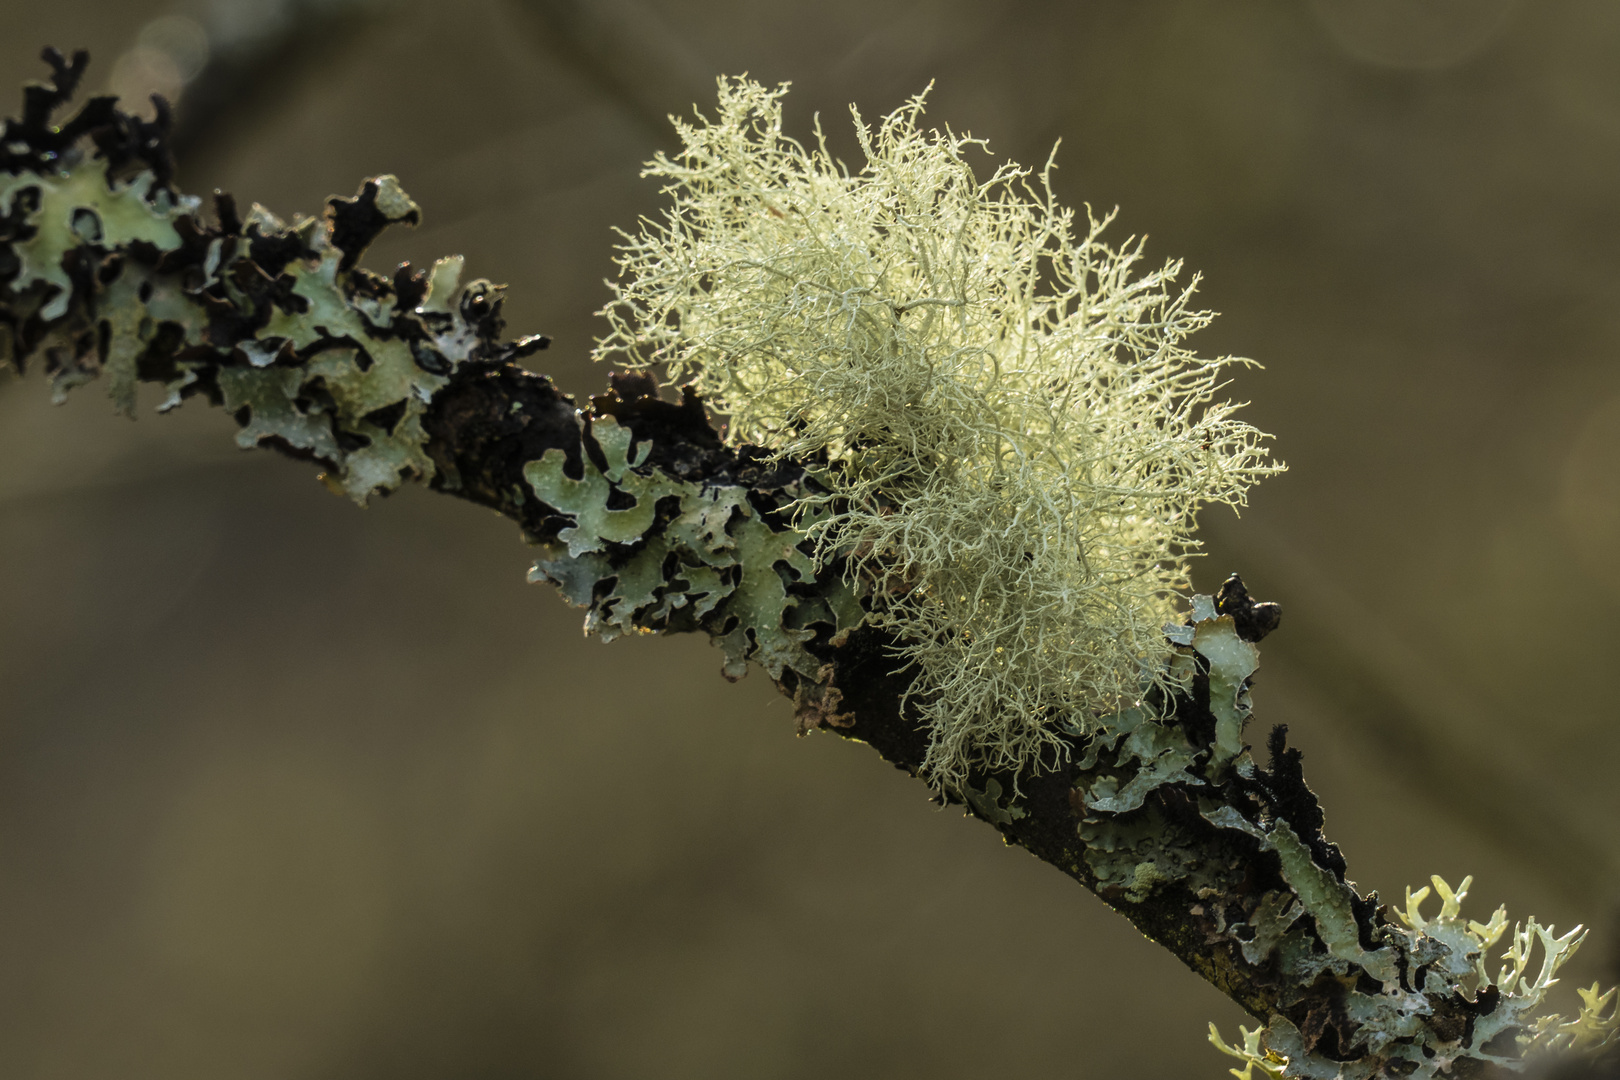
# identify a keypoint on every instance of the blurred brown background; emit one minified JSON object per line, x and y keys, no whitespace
{"x":289,"y":790}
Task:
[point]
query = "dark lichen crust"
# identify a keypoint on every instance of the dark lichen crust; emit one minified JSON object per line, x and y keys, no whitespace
{"x":644,"y":517}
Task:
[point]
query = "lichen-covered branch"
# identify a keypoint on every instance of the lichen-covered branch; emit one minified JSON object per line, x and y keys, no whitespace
{"x":648,"y":520}
{"x":1016,"y":439}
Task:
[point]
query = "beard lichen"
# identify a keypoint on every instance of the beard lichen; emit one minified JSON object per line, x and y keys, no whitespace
{"x":1015,"y":442}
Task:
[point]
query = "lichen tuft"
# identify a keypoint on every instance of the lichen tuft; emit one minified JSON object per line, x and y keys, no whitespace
{"x":1015,"y":441}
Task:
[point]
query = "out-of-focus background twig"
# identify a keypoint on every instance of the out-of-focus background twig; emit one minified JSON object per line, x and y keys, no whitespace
{"x":288,"y":790}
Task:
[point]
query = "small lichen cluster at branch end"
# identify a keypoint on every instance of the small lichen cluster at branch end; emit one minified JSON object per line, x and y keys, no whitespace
{"x":1357,"y":998}
{"x":1453,"y":955}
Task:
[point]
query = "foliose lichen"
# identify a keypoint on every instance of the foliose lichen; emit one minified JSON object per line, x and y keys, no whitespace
{"x":1356,"y":998}
{"x":275,"y":323}
{"x":109,"y":271}
{"x":715,"y":560}
{"x":1407,"y":1034}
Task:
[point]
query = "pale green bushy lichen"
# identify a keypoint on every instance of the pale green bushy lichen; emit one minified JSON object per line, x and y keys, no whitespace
{"x":1016,"y":440}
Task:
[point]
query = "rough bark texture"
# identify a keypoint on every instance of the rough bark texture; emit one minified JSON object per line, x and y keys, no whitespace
{"x":650,"y":520}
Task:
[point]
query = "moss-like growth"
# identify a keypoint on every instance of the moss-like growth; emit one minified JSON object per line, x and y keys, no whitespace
{"x":1015,"y":440}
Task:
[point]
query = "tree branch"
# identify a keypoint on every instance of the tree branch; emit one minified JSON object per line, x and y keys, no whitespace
{"x":648,"y":519}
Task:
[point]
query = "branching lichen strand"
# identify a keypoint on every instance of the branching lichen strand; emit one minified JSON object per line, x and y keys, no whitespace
{"x":1015,"y":439}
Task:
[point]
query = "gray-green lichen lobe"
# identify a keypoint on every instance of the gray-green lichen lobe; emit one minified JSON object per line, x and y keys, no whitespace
{"x":1132,"y":856}
{"x":714,"y":563}
{"x":79,"y":204}
{"x":302,"y":352}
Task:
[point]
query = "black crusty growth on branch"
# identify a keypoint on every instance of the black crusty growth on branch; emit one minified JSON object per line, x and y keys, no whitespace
{"x":107,"y":270}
